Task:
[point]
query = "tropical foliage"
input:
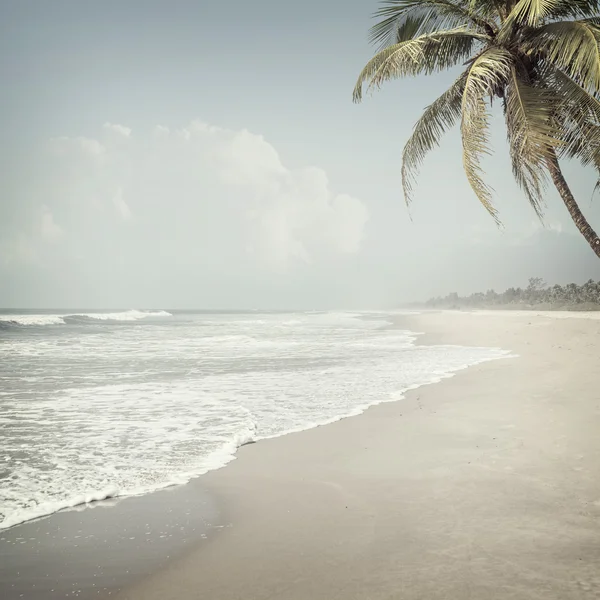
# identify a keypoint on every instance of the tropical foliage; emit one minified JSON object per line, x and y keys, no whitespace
{"x":536,"y":294}
{"x":539,"y":58}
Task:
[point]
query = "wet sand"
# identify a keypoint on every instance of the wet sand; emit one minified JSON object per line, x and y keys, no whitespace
{"x":93,"y":551}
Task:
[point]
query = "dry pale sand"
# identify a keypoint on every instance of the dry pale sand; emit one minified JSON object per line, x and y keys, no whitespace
{"x":484,"y":486}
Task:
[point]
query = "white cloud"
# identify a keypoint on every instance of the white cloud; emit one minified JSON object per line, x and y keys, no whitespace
{"x":85,"y":145}
{"x":161,"y":130}
{"x":116,"y":128}
{"x":219,"y":191}
{"x":294,"y":214}
{"x":121,"y":206}
{"x":529,"y":234}
{"x":184,"y":134}
{"x":555,"y":226}
{"x":212,"y":213}
{"x":48,"y":228}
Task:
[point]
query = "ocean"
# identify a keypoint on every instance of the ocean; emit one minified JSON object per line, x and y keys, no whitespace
{"x":98,"y":404}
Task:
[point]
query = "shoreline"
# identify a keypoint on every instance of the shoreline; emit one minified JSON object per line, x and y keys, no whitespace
{"x":106,"y":497}
{"x":93,"y":550}
{"x":269,"y":499}
{"x":117,"y":524}
{"x":65,"y":541}
{"x":482,"y":485}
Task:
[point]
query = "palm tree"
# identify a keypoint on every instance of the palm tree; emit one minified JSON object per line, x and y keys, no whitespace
{"x":541,"y":58}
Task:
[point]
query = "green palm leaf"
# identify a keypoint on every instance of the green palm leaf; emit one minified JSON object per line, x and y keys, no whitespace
{"x":532,"y":133}
{"x":579,"y":118}
{"x":491,"y":10}
{"x":425,"y":54}
{"x":435,"y":121}
{"x":575,"y":9}
{"x":488,"y":71}
{"x":398,"y":19}
{"x":573,"y":46}
{"x":529,"y":12}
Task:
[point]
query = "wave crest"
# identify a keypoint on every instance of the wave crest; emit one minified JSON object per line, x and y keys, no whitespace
{"x":31,"y":320}
{"x":128,"y":315}
{"x":42,"y":320}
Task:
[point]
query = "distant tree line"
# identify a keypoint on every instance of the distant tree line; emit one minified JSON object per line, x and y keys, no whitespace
{"x":537,"y":294}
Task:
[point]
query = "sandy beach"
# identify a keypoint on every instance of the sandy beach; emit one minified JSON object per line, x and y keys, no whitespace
{"x":483,"y":486}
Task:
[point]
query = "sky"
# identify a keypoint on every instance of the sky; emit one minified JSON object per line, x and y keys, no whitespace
{"x":186,"y":154}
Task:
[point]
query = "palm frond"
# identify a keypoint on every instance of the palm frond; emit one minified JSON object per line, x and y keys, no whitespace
{"x":528,"y":12}
{"x":400,"y":18}
{"x":575,"y":101}
{"x":490,"y":10}
{"x":572,"y":46}
{"x":532,"y":133}
{"x":425,"y":54}
{"x":578,"y":115}
{"x":577,"y":118}
{"x":435,"y":121}
{"x":575,"y":9}
{"x":488,"y":72}
{"x":581,"y":143}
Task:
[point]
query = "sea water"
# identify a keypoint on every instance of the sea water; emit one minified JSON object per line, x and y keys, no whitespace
{"x":101,"y":404}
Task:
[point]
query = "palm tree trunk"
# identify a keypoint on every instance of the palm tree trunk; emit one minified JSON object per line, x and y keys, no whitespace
{"x":565,"y":193}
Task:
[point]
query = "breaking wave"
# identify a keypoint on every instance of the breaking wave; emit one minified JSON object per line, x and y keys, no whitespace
{"x":8,"y":320}
{"x":128,"y":410}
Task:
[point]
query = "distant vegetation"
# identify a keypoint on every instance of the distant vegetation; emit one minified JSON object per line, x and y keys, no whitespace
{"x":536,"y":295}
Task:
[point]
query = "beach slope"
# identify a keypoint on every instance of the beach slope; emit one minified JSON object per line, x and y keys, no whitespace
{"x":486,"y":485}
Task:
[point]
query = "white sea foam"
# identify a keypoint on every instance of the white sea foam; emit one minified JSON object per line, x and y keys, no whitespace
{"x":135,"y":408}
{"x":31,"y":319}
{"x":62,"y":319}
{"x":18,"y":516}
{"x":129,"y":315}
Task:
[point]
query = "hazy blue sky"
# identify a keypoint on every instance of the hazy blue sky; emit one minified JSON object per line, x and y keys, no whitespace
{"x":192,"y":154}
